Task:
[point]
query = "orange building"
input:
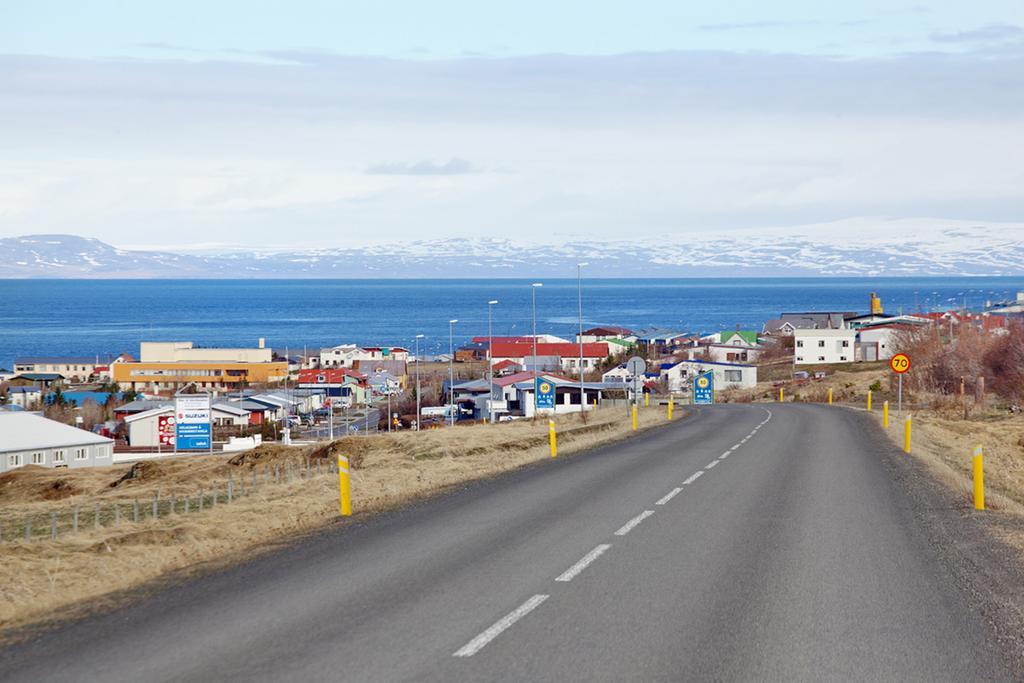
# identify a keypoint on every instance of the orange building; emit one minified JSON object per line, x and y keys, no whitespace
{"x":171,"y":365}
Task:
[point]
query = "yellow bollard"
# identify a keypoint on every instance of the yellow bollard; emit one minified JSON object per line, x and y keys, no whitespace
{"x":906,"y":435}
{"x":782,"y":395}
{"x":869,"y":399}
{"x":344,"y":492}
{"x":552,"y":438}
{"x":830,"y":396}
{"x":671,"y":405}
{"x":647,"y":399}
{"x":885,"y":414}
{"x":979,"y":479}
{"x":634,"y":417}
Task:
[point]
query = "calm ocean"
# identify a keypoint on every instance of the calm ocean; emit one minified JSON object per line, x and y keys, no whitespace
{"x":87,"y":317}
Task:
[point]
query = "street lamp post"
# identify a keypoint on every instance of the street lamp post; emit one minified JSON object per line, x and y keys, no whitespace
{"x":490,"y":362}
{"x":451,"y":372}
{"x":579,"y":290}
{"x":533,"y":290}
{"x":418,"y":337}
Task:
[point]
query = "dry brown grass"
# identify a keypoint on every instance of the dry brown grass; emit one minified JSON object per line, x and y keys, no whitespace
{"x":44,"y":579}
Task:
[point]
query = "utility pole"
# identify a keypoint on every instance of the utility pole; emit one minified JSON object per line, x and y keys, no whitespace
{"x":451,"y":372}
{"x":418,"y":337}
{"x":579,"y":291}
{"x":490,"y":362}
{"x":534,"y":287}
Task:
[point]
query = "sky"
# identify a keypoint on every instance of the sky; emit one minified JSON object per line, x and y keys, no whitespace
{"x":210,"y":126}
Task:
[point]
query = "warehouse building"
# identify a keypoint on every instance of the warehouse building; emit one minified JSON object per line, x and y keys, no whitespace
{"x":29,"y":439}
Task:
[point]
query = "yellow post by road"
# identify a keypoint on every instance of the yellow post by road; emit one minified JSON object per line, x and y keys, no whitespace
{"x":869,"y":399}
{"x":647,"y":399}
{"x":906,"y":435}
{"x":634,"y":417}
{"x":979,"y":479}
{"x":553,"y":438}
{"x":671,"y":405}
{"x":344,"y":492}
{"x":885,"y":414}
{"x":782,"y":394}
{"x":830,"y":396}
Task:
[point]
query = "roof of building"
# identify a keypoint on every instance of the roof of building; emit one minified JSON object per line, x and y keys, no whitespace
{"x":605,"y":330}
{"x":620,"y":342}
{"x":748,"y":336}
{"x":39,"y":376}
{"x":23,"y":431}
{"x":371,"y":367}
{"x":660,"y":333}
{"x":24,"y":390}
{"x":507,"y":363}
{"x":709,"y":362}
{"x":142,"y":405}
{"x":62,"y":360}
{"x":566,"y":350}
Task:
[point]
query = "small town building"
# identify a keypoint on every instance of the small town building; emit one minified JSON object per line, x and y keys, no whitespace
{"x":145,"y":429}
{"x":30,"y":439}
{"x":37,"y":379}
{"x":568,"y":353}
{"x":75,"y":369}
{"x":734,"y":352}
{"x":680,"y":376}
{"x":168,"y":366}
{"x":26,"y":398}
{"x":606,"y":333}
{"x":820,"y":346}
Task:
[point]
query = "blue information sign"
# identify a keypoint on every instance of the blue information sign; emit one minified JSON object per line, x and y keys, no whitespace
{"x":545,"y":393}
{"x":704,"y":389}
{"x":192,"y":437}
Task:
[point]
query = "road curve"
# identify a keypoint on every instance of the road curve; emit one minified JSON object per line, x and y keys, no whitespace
{"x":747,"y":542}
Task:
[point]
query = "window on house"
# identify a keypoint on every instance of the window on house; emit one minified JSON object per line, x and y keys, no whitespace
{"x":800,"y":358}
{"x":733,"y":375}
{"x":842,"y":357}
{"x":14,"y":460}
{"x":58,"y":455}
{"x":846,"y":343}
{"x":80,"y":454}
{"x":38,"y":459}
{"x":800,"y":343}
{"x":821,"y":343}
{"x":821,"y":358}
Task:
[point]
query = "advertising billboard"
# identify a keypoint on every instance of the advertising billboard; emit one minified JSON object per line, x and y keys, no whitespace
{"x":192,"y":422}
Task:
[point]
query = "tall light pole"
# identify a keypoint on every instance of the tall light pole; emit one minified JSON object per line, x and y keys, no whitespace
{"x":533,"y":290}
{"x":490,"y":362}
{"x":579,"y":290}
{"x":418,"y":337}
{"x":451,"y":372}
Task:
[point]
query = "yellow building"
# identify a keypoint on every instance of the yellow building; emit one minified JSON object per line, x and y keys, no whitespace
{"x":171,"y":365}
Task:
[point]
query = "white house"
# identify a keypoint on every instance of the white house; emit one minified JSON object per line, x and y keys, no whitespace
{"x":727,"y":375}
{"x":878,"y":342}
{"x":734,"y":352}
{"x":813,"y":347}
{"x":29,"y":398}
{"x":29,"y":439}
{"x":346,"y":355}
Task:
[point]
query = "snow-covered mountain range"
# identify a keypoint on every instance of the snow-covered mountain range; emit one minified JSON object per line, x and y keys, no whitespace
{"x":859,"y":247}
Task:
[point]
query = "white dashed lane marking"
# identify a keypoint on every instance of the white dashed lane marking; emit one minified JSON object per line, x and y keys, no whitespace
{"x":693,"y":478}
{"x":631,"y":524}
{"x":570,"y":573}
{"x":669,"y":496}
{"x":475,"y":645}
{"x":710,"y":464}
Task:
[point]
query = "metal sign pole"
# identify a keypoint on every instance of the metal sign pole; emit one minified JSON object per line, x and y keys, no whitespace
{"x":899,"y":407}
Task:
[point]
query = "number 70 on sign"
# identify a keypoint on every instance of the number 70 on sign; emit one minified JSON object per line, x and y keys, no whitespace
{"x":900,"y":363}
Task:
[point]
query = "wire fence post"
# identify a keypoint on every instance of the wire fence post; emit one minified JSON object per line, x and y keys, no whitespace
{"x":96,"y":517}
{"x":28,"y":528}
{"x":74,"y":519}
{"x":231,"y":488}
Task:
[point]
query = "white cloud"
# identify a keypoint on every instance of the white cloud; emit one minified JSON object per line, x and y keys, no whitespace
{"x":331,"y":150}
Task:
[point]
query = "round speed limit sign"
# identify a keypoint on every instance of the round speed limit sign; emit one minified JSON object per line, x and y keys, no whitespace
{"x":900,"y":363}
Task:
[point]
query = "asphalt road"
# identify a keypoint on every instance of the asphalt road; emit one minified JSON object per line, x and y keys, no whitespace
{"x":747,"y":542}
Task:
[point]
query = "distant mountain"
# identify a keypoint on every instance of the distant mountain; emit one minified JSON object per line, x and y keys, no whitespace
{"x":861,"y":247}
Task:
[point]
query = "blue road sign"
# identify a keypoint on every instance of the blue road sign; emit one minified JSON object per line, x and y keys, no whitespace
{"x":545,"y":393}
{"x":704,"y":389}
